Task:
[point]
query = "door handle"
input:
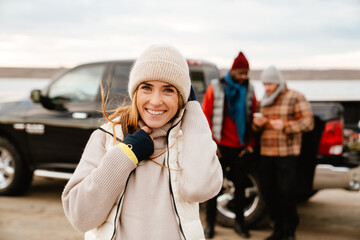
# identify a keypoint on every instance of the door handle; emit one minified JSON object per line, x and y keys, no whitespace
{"x":79,"y":115}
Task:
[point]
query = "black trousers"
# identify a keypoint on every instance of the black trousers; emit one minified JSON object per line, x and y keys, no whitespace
{"x":236,"y":170}
{"x":278,"y":185}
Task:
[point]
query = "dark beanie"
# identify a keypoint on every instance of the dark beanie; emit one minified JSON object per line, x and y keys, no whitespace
{"x":240,"y":62}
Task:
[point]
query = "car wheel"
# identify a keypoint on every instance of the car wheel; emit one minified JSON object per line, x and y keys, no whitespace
{"x":15,"y":176}
{"x":255,"y":211}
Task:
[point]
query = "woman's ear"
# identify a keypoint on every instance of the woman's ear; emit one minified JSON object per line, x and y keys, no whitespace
{"x":181,"y":103}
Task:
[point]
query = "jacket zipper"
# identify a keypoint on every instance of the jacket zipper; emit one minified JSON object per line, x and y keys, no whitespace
{"x":118,"y":206}
{"x":171,"y":190}
{"x":100,"y":128}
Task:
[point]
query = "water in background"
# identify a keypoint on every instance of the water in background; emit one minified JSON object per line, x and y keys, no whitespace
{"x":319,"y":90}
{"x":19,"y":88}
{"x":314,"y":90}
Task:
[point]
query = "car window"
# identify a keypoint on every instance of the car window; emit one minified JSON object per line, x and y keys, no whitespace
{"x":79,"y":85}
{"x":120,"y":79}
{"x":211,"y":72}
{"x":198,"y":81}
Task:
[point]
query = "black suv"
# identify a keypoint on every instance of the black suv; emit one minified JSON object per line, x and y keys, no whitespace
{"x":45,"y":135}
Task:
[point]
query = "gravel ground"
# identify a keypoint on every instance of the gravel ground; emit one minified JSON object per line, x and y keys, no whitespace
{"x":329,"y":215}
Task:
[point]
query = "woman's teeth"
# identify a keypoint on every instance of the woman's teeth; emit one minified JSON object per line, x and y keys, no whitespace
{"x":155,"y":112}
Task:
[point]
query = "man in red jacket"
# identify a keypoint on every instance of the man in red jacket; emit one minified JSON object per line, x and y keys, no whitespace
{"x":229,"y":104}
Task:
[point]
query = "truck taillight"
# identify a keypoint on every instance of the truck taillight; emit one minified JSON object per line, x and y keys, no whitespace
{"x":332,"y":138}
{"x":193,"y":62}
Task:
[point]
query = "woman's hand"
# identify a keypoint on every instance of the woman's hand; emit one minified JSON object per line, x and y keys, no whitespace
{"x":147,"y":130}
{"x":140,"y":143}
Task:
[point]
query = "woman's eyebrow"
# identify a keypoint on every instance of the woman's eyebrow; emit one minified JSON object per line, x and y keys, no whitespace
{"x":145,"y":83}
{"x":169,"y":85}
{"x":149,"y":84}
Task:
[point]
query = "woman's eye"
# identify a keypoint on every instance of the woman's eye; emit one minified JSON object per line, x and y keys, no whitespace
{"x":169,"y":90}
{"x":146,"y":88}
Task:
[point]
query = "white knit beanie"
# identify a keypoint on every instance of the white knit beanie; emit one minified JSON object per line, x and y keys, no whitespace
{"x":161,"y":63}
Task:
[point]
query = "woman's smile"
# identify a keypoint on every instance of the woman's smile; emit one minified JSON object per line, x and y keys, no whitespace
{"x":157,"y":103}
{"x":154,"y":112}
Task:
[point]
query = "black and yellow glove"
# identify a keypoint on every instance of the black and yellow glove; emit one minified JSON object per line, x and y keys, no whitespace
{"x":138,"y":146}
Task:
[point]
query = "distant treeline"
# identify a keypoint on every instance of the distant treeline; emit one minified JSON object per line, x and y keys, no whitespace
{"x":301,"y":74}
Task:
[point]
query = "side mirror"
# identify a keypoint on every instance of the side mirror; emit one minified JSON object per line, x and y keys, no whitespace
{"x":35,"y":96}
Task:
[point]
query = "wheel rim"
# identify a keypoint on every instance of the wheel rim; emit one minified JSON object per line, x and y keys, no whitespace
{"x":7,"y":168}
{"x":251,"y":192}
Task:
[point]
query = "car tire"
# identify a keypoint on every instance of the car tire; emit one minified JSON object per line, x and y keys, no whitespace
{"x":255,"y":211}
{"x":15,"y":176}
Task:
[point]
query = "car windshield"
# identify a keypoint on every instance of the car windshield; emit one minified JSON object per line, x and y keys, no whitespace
{"x":79,"y":85}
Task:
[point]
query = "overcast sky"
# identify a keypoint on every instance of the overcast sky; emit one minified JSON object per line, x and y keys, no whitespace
{"x":312,"y":34}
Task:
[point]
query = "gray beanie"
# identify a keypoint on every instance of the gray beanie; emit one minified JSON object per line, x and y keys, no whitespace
{"x":271,"y":75}
{"x":161,"y":63}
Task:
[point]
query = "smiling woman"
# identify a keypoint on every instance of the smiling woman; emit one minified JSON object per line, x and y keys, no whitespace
{"x":117,"y":187}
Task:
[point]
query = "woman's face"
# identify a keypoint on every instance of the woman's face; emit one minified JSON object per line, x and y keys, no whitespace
{"x":157,"y":103}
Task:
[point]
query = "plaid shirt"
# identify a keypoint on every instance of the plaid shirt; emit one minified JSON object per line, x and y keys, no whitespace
{"x":295,"y":111}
